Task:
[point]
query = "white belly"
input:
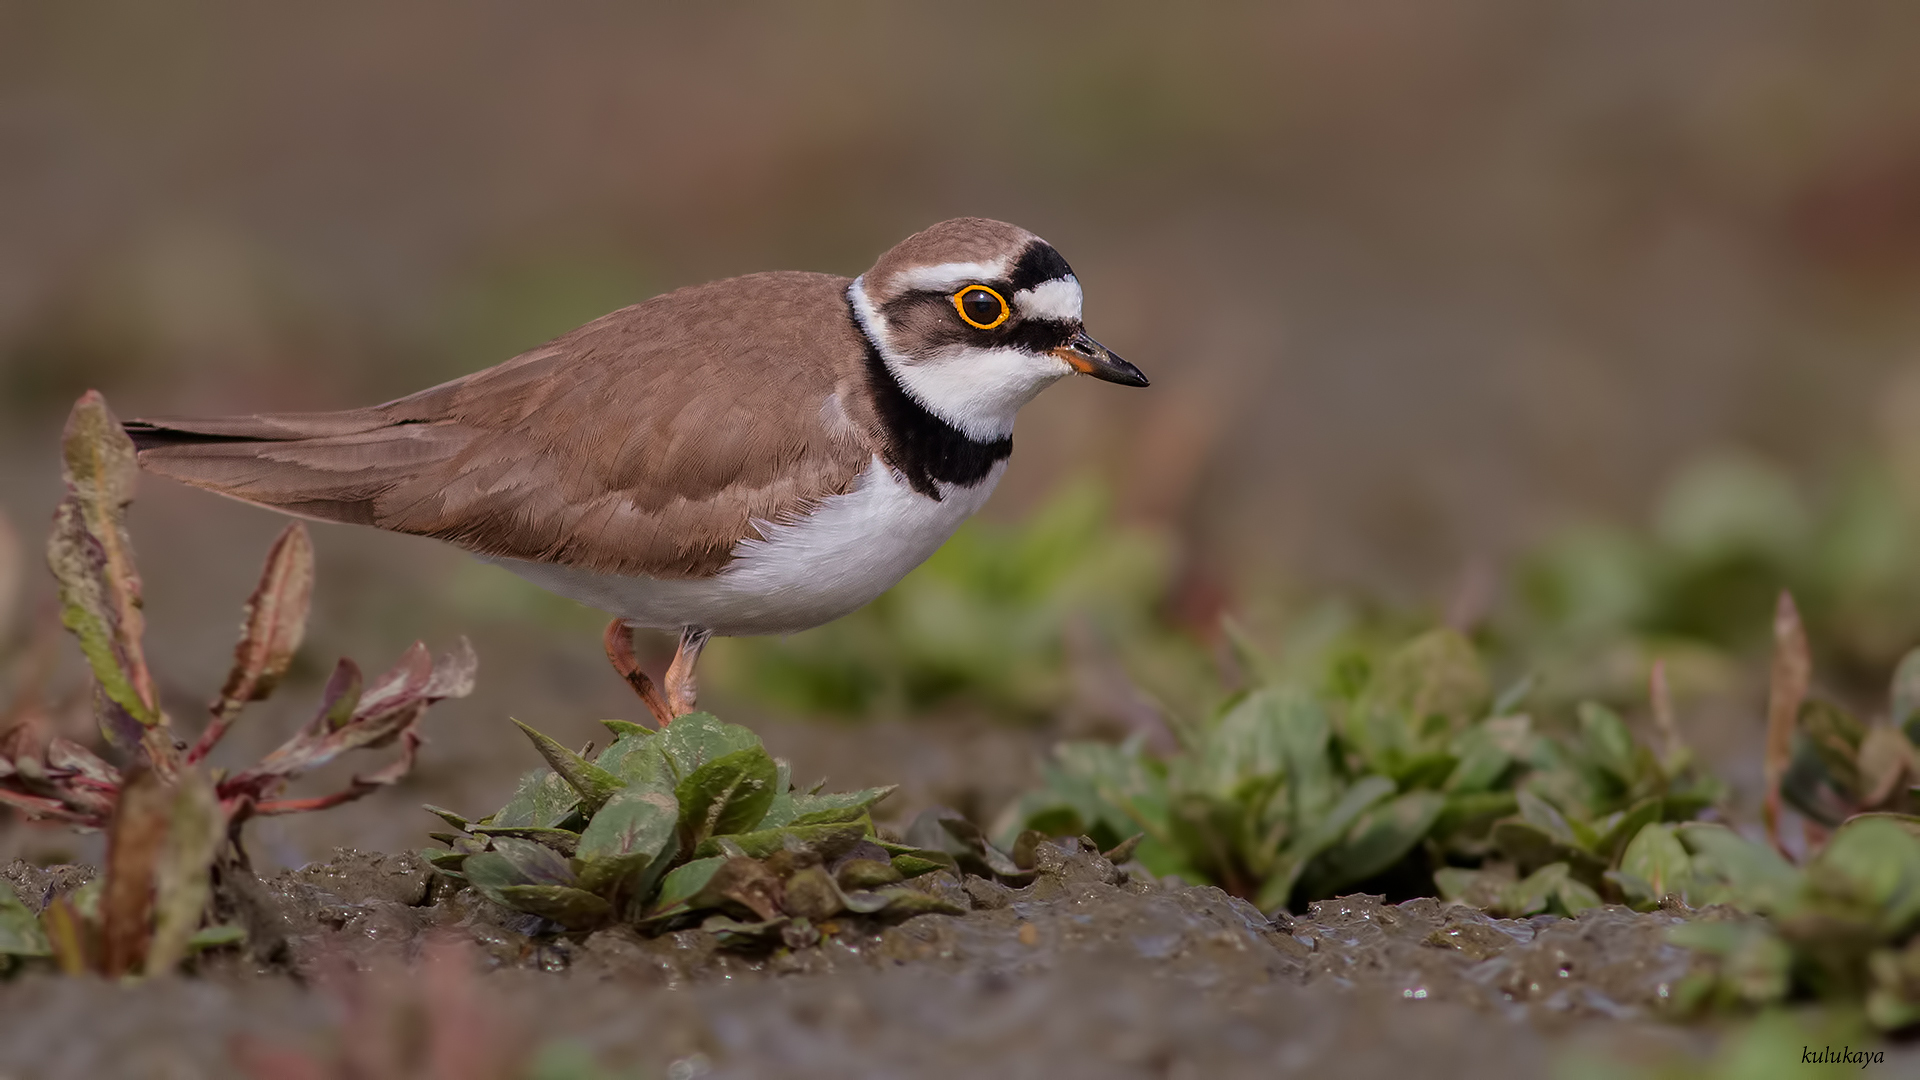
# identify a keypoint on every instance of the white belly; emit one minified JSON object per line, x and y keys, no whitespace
{"x":851,"y":549}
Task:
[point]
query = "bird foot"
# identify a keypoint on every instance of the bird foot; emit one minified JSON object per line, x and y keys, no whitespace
{"x":619,"y":643}
{"x":681,"y":690}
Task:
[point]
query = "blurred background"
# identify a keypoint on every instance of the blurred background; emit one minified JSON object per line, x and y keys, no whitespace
{"x":1542,"y":317}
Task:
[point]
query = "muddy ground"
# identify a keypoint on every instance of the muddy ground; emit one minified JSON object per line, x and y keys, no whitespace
{"x":1092,"y":970}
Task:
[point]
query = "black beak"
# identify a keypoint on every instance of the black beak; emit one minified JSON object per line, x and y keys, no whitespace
{"x":1089,"y":357}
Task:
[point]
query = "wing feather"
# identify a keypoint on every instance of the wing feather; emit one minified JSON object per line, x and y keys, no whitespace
{"x":647,"y":442}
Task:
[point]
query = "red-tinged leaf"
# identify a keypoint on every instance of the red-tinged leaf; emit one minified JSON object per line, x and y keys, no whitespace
{"x":90,"y":799}
{"x":399,"y":689}
{"x":387,"y":711}
{"x":91,"y":557}
{"x":276,"y":619}
{"x":71,"y":757}
{"x":358,"y":787}
{"x":182,"y":884}
{"x":1787,"y":680}
{"x":341,"y":697}
{"x":454,"y":673}
{"x":37,"y":806}
{"x":116,"y":724}
{"x":135,"y":841}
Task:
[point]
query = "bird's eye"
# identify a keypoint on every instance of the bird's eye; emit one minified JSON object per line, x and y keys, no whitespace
{"x":981,"y":307}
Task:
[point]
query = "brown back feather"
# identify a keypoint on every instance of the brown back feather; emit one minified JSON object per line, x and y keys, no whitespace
{"x":649,"y":441}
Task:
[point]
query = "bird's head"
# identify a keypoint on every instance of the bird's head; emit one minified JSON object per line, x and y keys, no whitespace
{"x":974,"y":317}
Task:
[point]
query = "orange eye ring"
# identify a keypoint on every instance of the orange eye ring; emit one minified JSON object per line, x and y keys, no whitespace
{"x":960,"y":306}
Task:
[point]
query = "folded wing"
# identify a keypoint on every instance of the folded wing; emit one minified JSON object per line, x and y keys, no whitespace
{"x":648,"y":442}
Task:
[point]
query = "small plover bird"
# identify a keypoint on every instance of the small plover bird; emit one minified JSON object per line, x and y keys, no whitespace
{"x":758,"y":455}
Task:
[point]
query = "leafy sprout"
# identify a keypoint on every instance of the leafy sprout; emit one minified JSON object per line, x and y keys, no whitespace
{"x":1405,"y":773}
{"x":693,"y":823}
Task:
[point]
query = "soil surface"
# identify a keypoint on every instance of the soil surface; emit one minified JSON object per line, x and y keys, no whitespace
{"x":1091,"y":970}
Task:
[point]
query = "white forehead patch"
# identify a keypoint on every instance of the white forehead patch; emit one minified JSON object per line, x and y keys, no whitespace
{"x":1057,"y":300}
{"x":948,"y":276}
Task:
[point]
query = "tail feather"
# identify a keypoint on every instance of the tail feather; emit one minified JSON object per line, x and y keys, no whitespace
{"x":326,"y":466}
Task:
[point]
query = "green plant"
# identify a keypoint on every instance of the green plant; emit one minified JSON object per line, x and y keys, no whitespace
{"x":1395,"y":770}
{"x":1821,"y":759}
{"x":166,"y":816}
{"x":690,"y":822}
{"x":1842,"y":927}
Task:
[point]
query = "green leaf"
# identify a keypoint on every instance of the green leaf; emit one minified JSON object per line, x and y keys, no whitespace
{"x":1875,"y":862}
{"x":697,"y":738}
{"x":493,"y":872}
{"x":1608,"y":743}
{"x":1513,"y":697}
{"x":91,"y":556}
{"x":1531,"y":848}
{"x":447,"y":816}
{"x":1478,"y":888}
{"x":1293,"y":860}
{"x":1544,"y":816}
{"x":1835,"y":736}
{"x":20,"y":931}
{"x":1573,"y":896}
{"x":1756,"y":966}
{"x":1536,"y":892}
{"x":915,"y":865}
{"x":542,"y":801}
{"x":450,"y":863}
{"x":1656,"y":857}
{"x":640,"y":761}
{"x":903,"y":901}
{"x":1756,"y":877}
{"x":829,"y":841}
{"x":536,"y":862}
{"x":1628,"y":826}
{"x":1245,"y":742}
{"x":1482,"y":761}
{"x":862,"y":873}
{"x":685,"y":881}
{"x":629,"y":843}
{"x":1437,"y":673}
{"x":564,"y":841}
{"x":728,"y":794}
{"x":575,"y":909}
{"x":833,"y":808}
{"x":1379,"y":838}
{"x":595,"y":784}
{"x":489,"y":872}
{"x":621,"y":728}
{"x":632,"y":822}
{"x":1469,"y":817}
{"x":216,"y":937}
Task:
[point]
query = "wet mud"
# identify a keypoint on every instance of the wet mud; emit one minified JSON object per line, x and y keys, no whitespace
{"x":1090,"y":970}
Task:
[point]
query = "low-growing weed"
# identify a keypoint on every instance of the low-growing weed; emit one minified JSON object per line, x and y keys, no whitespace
{"x":168,"y":817}
{"x":1405,"y":773}
{"x":692,"y":823}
